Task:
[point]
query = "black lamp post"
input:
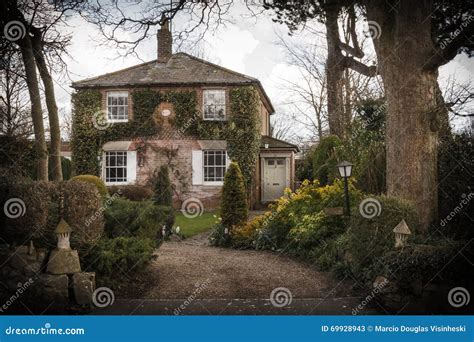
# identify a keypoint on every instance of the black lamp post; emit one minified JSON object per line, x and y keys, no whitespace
{"x":345,"y":170}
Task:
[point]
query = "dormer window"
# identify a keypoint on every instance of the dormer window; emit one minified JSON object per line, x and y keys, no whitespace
{"x":117,"y":106}
{"x":214,"y":104}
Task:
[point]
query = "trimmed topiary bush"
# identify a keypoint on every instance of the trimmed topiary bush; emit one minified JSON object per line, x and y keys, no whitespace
{"x":96,"y":181}
{"x":234,"y":209}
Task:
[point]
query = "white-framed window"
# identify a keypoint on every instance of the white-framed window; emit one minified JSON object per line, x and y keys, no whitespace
{"x":116,"y":167}
{"x":214,"y":165}
{"x":117,"y":106}
{"x":214,"y":103}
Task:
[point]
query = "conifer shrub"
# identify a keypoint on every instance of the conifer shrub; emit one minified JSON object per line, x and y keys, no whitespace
{"x":234,"y":208}
{"x":162,"y":185}
{"x":164,"y":194}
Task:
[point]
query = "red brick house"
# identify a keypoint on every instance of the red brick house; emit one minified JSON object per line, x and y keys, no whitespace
{"x":201,"y":163}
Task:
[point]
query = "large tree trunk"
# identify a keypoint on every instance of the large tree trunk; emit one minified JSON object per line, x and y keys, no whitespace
{"x":55,"y":133}
{"x":403,"y":49}
{"x":36,"y":110}
{"x":334,"y":74}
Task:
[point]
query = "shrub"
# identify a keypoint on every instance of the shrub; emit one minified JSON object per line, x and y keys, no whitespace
{"x":325,"y":159}
{"x":121,"y":255}
{"x":66,"y":166}
{"x":20,"y":150}
{"x":98,"y":183}
{"x":369,"y":239}
{"x":136,"y":219}
{"x":427,"y":263}
{"x":132,"y":192}
{"x":308,"y":201}
{"x":245,"y":235}
{"x":81,"y":209}
{"x":304,"y":167}
{"x":366,"y":149}
{"x":162,"y":185}
{"x":219,"y":237}
{"x":234,"y":209}
{"x":455,"y":165}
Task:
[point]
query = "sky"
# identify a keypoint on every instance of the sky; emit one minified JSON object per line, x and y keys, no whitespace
{"x":246,"y":45}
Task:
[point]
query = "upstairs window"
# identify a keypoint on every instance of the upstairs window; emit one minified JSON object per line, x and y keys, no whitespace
{"x":117,"y":106}
{"x":214,"y":104}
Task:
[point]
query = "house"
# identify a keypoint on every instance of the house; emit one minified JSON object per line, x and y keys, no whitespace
{"x":197,"y":160}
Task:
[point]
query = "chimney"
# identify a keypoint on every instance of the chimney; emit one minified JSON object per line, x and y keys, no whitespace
{"x":165,"y":42}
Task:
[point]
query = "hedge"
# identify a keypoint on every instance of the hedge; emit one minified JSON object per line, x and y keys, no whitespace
{"x":94,"y":180}
{"x":81,"y":208}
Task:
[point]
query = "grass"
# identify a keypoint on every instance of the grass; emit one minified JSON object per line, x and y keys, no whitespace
{"x":192,"y":226}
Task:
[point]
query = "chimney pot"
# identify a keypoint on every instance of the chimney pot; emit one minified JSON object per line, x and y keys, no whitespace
{"x":165,"y":42}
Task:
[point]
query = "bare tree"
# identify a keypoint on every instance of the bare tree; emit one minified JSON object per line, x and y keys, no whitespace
{"x":15,"y":115}
{"x":308,"y":95}
{"x":282,"y":127}
{"x":31,"y":25}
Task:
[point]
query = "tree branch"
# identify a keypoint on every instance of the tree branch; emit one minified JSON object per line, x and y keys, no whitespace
{"x":448,"y":50}
{"x":369,"y":71}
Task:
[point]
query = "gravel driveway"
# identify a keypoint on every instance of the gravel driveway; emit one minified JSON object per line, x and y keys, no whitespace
{"x":192,"y":267}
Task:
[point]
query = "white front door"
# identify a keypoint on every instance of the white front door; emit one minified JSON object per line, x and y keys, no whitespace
{"x":274,"y":178}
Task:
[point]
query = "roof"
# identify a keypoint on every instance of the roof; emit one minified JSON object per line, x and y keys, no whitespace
{"x":181,"y":69}
{"x":402,"y":228}
{"x":274,"y":143}
{"x":63,"y":227}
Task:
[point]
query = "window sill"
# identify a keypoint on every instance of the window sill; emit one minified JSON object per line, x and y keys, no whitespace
{"x":117,"y":183}
{"x":204,"y":119}
{"x":117,"y":120}
{"x":213,"y":183}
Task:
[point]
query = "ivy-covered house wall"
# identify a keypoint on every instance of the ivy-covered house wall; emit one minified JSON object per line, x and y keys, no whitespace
{"x":169,"y":140}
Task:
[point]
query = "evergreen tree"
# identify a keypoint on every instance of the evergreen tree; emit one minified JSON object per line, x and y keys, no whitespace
{"x":234,"y":209}
{"x":163,"y":190}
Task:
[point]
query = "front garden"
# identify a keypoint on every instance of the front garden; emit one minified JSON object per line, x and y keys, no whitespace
{"x":422,"y":266}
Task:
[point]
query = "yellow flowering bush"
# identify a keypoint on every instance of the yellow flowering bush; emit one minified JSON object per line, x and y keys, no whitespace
{"x":244,"y":236}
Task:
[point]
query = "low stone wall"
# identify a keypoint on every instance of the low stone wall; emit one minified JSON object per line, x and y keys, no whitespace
{"x":25,"y":284}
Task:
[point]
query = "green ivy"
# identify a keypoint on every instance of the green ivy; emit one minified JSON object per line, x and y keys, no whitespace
{"x":242,"y":131}
{"x":243,"y":144}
